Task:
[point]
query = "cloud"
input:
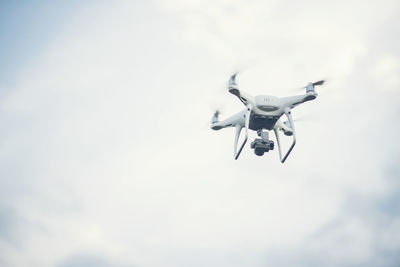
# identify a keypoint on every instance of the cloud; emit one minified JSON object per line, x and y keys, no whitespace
{"x":88,"y":260}
{"x":105,"y":159}
{"x":363,"y":233}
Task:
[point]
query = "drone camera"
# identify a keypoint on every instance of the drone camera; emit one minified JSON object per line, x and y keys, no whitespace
{"x":260,"y":146}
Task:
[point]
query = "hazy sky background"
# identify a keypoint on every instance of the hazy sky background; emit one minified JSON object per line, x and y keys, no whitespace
{"x":107,"y":159}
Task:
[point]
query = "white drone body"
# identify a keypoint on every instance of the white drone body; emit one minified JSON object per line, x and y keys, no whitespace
{"x":262,"y":114}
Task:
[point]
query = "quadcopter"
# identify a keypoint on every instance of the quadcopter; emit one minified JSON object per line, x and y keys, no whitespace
{"x":262,"y":114}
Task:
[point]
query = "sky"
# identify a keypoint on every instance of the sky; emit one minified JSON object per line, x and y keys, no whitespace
{"x":107,"y":158}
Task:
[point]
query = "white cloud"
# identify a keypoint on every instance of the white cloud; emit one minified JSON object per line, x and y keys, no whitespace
{"x":387,"y":73}
{"x":106,"y":130}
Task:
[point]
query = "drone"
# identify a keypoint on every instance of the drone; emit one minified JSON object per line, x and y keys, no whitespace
{"x":262,"y":114}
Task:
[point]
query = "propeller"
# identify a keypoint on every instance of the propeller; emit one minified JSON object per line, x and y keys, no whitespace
{"x":215,"y":116}
{"x":321,"y":82}
{"x":216,"y":113}
{"x":232,"y":80}
{"x":310,"y":86}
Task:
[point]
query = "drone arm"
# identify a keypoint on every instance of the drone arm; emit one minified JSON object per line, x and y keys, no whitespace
{"x":289,"y":116}
{"x":293,"y":101}
{"x":238,"y":118}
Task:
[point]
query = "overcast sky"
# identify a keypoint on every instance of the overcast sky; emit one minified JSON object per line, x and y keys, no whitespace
{"x":107,"y":158}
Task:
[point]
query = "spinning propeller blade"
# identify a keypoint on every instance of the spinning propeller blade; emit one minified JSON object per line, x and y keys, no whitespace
{"x":214,"y":118}
{"x":232,"y":80}
{"x":321,"y":82}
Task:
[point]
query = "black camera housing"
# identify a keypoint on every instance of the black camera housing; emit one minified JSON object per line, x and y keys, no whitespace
{"x":260,"y":146}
